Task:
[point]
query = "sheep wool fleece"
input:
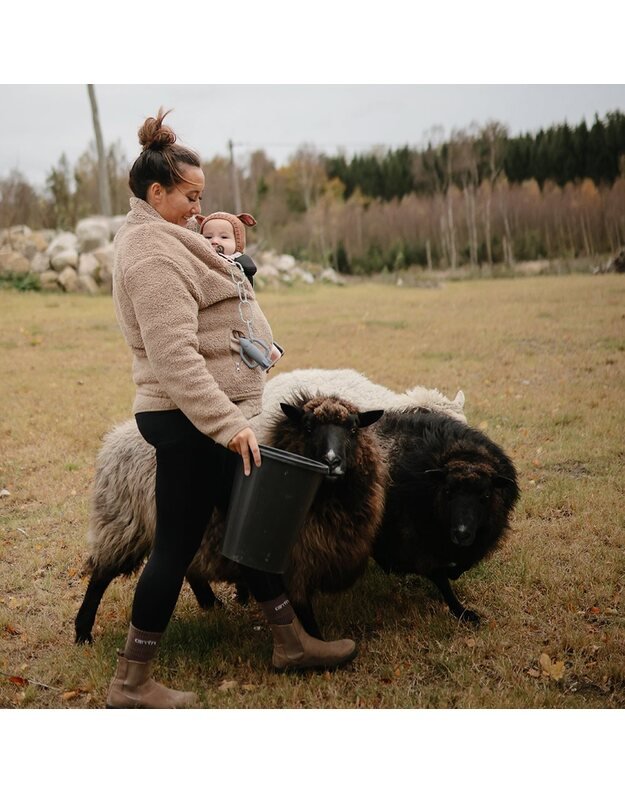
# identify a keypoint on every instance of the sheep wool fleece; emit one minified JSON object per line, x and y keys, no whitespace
{"x":178,"y":309}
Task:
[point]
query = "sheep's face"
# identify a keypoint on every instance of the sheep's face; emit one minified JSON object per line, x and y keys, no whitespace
{"x":330,"y":431}
{"x":464,"y":502}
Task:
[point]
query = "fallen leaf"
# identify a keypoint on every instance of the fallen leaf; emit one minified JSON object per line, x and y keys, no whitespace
{"x":72,"y":695}
{"x":551,"y":668}
{"x":19,"y":681}
{"x":595,"y":610}
{"x":545,"y":662}
{"x":12,"y":630}
{"x":226,"y":685}
{"x":611,"y":611}
{"x":470,"y":643}
{"x":534,"y":672}
{"x":248,"y":687}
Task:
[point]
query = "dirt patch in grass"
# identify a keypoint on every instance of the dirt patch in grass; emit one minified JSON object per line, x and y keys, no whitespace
{"x":542,"y":365}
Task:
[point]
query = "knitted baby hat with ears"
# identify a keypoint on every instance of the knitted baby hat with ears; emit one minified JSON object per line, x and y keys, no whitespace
{"x":238,"y":222}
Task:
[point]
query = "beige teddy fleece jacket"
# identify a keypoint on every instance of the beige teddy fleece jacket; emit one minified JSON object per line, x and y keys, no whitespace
{"x":178,"y":309}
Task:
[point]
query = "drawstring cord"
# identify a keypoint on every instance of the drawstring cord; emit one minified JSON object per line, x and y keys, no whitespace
{"x":254,"y":351}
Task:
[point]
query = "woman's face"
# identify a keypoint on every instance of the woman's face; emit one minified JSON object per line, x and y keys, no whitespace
{"x":179,"y":203}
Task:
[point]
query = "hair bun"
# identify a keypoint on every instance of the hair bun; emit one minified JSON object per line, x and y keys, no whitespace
{"x":153,"y":134}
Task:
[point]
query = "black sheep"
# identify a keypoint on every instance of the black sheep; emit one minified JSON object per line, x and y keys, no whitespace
{"x":333,"y":547}
{"x":336,"y":541}
{"x":449,"y":501}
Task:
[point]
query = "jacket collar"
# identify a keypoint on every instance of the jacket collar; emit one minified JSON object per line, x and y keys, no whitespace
{"x":141,"y":212}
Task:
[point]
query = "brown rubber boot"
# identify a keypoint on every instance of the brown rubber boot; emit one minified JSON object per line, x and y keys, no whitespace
{"x":294,"y":649}
{"x":132,"y":688}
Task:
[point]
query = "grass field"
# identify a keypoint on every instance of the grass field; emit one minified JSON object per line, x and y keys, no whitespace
{"x":542,"y":365}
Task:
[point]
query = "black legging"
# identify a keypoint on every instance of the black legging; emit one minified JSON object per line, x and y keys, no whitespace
{"x":194,"y":474}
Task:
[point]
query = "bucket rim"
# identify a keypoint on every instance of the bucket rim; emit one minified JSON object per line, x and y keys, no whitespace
{"x":284,"y":456}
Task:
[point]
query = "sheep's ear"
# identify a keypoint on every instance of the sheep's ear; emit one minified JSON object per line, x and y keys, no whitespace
{"x":367,"y":418}
{"x":436,"y":474}
{"x":292,"y":411}
{"x":499,"y":481}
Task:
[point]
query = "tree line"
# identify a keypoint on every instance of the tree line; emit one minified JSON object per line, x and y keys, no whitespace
{"x":477,"y":196}
{"x":559,"y":154}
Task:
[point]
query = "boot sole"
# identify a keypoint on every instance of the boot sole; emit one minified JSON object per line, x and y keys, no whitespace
{"x":292,"y":668}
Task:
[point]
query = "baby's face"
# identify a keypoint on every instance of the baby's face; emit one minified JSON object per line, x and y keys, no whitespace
{"x":220,"y":234}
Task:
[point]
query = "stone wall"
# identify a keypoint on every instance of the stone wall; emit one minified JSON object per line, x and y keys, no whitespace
{"x":78,"y":261}
{"x":82,"y":260}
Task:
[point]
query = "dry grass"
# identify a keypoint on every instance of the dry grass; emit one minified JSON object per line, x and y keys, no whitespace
{"x":542,"y":365}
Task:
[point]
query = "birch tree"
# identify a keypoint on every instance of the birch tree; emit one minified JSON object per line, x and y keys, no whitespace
{"x":493,"y":138}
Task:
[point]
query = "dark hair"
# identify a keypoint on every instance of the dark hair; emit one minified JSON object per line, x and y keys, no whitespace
{"x":158,"y":162}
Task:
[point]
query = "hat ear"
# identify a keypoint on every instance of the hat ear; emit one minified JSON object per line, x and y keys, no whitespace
{"x":247,"y":219}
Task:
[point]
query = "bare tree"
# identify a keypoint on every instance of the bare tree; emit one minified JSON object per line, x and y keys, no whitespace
{"x":494,"y":135}
{"x":437,"y":168}
{"x":466,"y":170}
{"x":103,"y":177}
{"x":19,"y":202}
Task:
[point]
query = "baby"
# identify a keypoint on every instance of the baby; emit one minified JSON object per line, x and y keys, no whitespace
{"x":226,"y":233}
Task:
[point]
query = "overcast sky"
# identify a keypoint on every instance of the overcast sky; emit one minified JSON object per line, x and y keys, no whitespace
{"x":40,"y":122}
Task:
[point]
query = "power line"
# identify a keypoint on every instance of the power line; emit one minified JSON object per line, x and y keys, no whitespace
{"x":322,"y":144}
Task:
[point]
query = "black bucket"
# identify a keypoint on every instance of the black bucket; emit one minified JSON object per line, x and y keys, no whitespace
{"x":268,"y":508}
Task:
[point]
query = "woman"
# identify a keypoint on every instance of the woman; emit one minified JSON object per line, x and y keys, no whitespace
{"x":178,"y":308}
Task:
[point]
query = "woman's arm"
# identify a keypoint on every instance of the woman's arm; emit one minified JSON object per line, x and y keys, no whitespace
{"x":167,"y":314}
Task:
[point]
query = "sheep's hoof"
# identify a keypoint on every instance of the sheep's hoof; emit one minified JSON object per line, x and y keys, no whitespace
{"x":241,"y":595}
{"x":83,"y":639}
{"x":206,"y":605}
{"x":468,"y":616}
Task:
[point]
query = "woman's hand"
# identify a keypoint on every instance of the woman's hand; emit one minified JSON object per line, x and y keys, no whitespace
{"x":244,"y":443}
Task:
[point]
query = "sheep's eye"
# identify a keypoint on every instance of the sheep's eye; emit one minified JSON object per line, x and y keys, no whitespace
{"x":486,"y":496}
{"x":354,"y":429}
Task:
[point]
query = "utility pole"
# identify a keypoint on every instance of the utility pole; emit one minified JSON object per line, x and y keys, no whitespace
{"x":235,"y":181}
{"x":103,"y":178}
